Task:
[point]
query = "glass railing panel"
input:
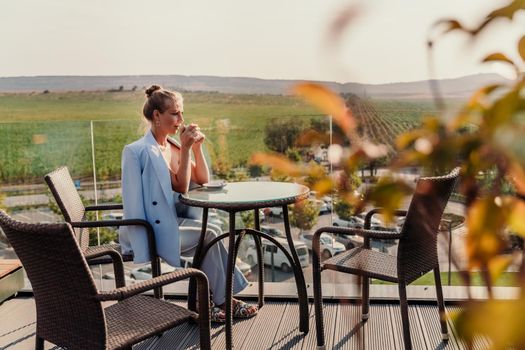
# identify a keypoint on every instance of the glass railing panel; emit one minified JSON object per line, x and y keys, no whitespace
{"x":29,"y":151}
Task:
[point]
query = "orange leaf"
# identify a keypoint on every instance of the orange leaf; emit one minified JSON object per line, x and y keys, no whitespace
{"x":521,"y":47}
{"x":328,"y":102}
{"x":449,"y":25}
{"x":499,"y":57}
{"x":341,"y":22}
{"x":497,"y":265}
{"x":517,"y":176}
{"x":516,"y":209}
{"x":276,"y":161}
{"x":509,"y":10}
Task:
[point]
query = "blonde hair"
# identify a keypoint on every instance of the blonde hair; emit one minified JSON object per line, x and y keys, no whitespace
{"x":159,"y":99}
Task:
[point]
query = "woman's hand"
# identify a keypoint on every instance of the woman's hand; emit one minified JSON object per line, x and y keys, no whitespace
{"x":199,"y":138}
{"x":189,"y":135}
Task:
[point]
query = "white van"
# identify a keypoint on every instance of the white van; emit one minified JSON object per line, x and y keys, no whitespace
{"x":279,"y":259}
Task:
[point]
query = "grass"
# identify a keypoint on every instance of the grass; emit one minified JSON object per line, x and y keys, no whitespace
{"x":506,"y":279}
{"x":41,"y":131}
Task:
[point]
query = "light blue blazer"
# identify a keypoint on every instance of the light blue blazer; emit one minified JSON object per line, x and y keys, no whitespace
{"x":147,"y":194}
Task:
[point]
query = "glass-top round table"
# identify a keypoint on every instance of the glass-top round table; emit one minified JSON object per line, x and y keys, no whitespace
{"x":240,"y":196}
{"x":246,"y":195}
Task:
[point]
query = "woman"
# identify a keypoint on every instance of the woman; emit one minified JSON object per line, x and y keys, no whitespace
{"x":155,"y":170}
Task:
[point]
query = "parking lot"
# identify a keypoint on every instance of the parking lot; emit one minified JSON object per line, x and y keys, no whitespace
{"x":271,"y":274}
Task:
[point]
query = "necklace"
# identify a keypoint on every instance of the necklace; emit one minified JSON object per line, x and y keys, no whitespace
{"x":163,"y":148}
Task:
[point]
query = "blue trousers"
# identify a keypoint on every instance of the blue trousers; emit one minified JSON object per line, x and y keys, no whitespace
{"x":216,"y":259}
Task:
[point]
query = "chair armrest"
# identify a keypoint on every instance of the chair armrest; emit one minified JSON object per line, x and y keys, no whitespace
{"x":118,"y":264}
{"x":124,"y":222}
{"x":368,"y":217}
{"x":108,"y":206}
{"x":377,"y":234}
{"x":137,"y":288}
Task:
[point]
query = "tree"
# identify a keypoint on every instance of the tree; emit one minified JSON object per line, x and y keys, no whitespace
{"x":304,"y":215}
{"x":281,"y":134}
{"x":248,"y":218}
{"x":343,"y":209}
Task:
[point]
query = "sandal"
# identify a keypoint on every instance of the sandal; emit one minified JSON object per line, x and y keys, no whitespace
{"x":217,"y":315}
{"x":242,"y":310}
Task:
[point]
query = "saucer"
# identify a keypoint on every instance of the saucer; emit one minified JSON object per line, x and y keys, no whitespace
{"x":215,"y":184}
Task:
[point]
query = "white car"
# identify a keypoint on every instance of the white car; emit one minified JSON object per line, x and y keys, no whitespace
{"x":374,"y":220}
{"x":272,"y":231}
{"x":246,"y":269}
{"x":274,"y":211}
{"x":144,"y":272}
{"x":329,"y":246}
{"x":279,"y":259}
{"x":112,"y":216}
{"x":111,"y":276}
{"x":352,"y":222}
{"x":326,"y":202}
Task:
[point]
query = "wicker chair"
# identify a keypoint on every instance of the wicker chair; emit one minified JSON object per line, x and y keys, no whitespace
{"x":416,"y":255}
{"x":69,"y":308}
{"x":66,"y":195}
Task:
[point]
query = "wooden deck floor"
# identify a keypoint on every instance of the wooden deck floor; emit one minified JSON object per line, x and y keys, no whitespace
{"x":276,"y":327}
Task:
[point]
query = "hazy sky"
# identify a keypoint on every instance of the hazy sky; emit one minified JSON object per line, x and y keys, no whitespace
{"x":275,"y":39}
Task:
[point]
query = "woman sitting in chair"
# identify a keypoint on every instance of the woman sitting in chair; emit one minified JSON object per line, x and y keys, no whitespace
{"x":155,"y":170}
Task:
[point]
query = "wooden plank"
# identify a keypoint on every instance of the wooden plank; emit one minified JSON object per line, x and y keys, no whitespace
{"x":330,"y":313}
{"x":378,"y":330}
{"x":350,"y":330}
{"x":431,"y":328}
{"x":479,"y":343}
{"x":265,"y":326}
{"x":8,"y":266}
{"x":288,"y":335}
{"x":276,"y":327}
{"x":416,"y":334}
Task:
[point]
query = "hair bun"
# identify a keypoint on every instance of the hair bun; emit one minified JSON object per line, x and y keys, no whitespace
{"x":152,"y":89}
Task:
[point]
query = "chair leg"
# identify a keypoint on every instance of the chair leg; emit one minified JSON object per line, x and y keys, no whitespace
{"x":404,"y":315}
{"x":39,"y":343}
{"x":441,"y":304}
{"x":365,"y":299}
{"x":155,"y":269}
{"x":318,"y":300}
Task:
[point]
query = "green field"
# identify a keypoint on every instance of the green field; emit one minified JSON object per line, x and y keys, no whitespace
{"x":39,"y":132}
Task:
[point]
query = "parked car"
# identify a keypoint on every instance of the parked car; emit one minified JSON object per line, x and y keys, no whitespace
{"x":111,"y":276}
{"x":327,"y":201}
{"x":246,"y":269}
{"x":144,"y":272}
{"x":272,"y":231}
{"x":374,"y":220}
{"x":279,"y":259}
{"x":323,"y":207}
{"x":112,"y":216}
{"x":274,"y":211}
{"x":352,"y":222}
{"x":329,"y":246}
{"x":349,"y":241}
{"x":377,"y":224}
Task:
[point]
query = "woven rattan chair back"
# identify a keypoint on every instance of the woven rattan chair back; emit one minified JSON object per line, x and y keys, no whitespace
{"x":68,"y":199}
{"x":417,"y":250}
{"x":62,"y":284}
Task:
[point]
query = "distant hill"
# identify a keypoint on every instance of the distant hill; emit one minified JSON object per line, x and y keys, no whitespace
{"x":450,"y":88}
